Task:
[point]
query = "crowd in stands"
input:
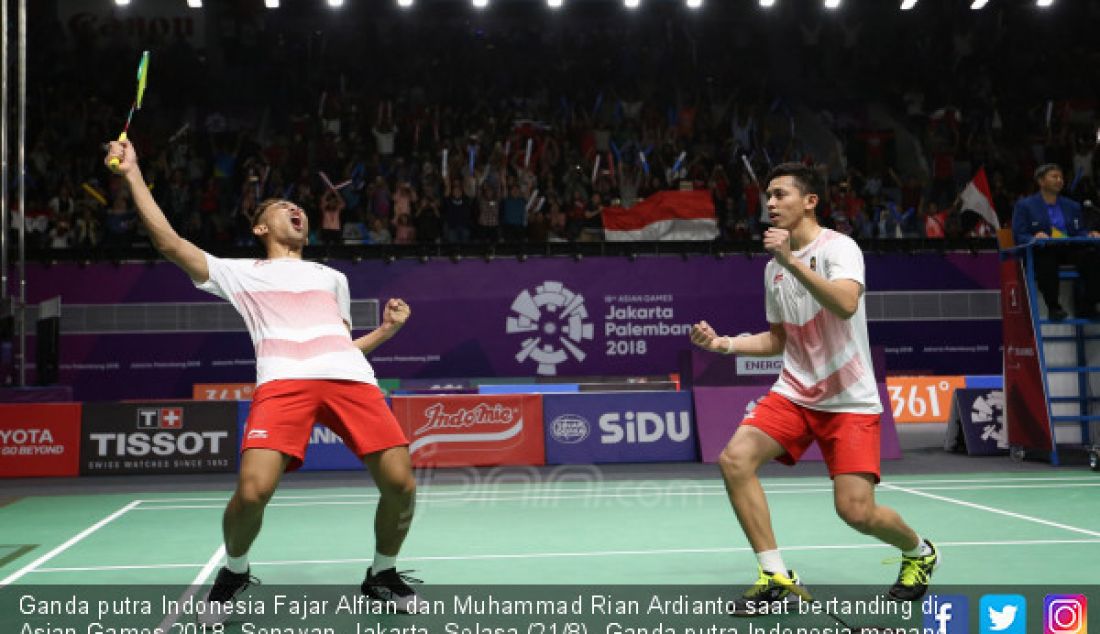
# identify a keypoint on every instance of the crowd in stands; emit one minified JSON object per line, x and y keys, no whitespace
{"x":515,"y":127}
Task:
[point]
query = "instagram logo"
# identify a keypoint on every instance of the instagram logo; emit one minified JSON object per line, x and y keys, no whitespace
{"x":1065,"y":614}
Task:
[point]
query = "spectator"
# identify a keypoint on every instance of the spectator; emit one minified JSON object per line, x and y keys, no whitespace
{"x":457,"y":212}
{"x":332,"y":205}
{"x":1049,"y":215}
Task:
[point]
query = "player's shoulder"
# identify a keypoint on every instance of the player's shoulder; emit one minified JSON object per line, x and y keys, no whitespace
{"x":835,"y":241}
{"x":235,"y":264}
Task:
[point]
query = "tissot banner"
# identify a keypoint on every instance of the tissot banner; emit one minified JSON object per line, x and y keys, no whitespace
{"x":159,"y":437}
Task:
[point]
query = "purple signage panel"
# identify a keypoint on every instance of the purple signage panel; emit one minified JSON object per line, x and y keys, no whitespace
{"x":543,"y":318}
{"x":979,"y":417}
{"x":720,"y":410}
{"x":609,"y":427}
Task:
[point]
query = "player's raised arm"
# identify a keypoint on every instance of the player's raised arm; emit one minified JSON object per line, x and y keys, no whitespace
{"x":165,"y":239}
{"x":394,"y":316}
{"x":763,"y":344}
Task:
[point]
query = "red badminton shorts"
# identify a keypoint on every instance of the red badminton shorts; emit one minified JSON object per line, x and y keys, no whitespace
{"x":849,"y":442}
{"x":283,"y":413}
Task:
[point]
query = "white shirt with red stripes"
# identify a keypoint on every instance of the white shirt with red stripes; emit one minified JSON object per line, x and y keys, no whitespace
{"x":826,"y":360}
{"x":298,"y":314}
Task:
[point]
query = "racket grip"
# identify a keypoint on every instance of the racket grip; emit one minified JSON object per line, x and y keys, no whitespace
{"x":114,"y":162}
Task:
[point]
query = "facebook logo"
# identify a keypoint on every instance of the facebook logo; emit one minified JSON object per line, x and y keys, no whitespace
{"x":946,"y":614}
{"x":1003,"y":614}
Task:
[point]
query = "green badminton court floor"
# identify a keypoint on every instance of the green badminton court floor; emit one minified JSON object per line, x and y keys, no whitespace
{"x":991,"y":528}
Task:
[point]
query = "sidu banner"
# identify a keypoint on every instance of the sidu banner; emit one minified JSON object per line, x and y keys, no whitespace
{"x":39,"y":440}
{"x":472,"y":430}
{"x":607,"y":427}
{"x":162,"y":437}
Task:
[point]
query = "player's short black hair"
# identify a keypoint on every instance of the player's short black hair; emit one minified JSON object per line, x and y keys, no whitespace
{"x":262,"y":207}
{"x":806,"y":178}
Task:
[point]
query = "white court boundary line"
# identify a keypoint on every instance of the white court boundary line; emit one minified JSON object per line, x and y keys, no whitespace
{"x":497,"y":487}
{"x":207,"y":568}
{"x":196,"y":584}
{"x":13,"y":577}
{"x":993,"y":509}
{"x":357,"y":499}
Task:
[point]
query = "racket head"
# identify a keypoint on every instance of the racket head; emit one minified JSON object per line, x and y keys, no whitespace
{"x":142,"y":77}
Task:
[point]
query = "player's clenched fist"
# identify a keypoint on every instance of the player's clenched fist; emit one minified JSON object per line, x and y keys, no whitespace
{"x":124,"y":152}
{"x":704,"y":336}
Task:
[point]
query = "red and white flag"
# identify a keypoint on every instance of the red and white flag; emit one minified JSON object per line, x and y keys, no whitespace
{"x":667,"y":215}
{"x":977,"y":197}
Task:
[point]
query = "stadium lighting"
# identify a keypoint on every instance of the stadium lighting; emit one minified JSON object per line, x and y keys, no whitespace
{"x":631,"y":4}
{"x":122,"y":3}
{"x":908,"y":4}
{"x":194,"y":4}
{"x":271,"y":4}
{"x":832,"y":4}
{"x":481,"y":4}
{"x":978,"y":4}
{"x":335,"y":3}
{"x":767,"y":3}
{"x":1044,"y":3}
{"x":555,"y":4}
{"x":404,"y":4}
{"x":694,"y":4}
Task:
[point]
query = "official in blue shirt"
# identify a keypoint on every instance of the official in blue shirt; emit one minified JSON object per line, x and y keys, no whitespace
{"x":1047,"y":214}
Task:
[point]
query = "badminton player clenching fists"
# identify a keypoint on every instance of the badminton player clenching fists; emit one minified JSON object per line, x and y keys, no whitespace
{"x":308,"y":369}
{"x":826,"y":391}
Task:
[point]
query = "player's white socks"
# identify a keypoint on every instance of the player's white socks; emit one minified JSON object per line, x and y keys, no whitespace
{"x":921,"y":550}
{"x":382,"y":562}
{"x":771,"y":561}
{"x":237,"y":565}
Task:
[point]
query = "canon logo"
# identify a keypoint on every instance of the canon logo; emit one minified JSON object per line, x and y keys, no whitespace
{"x":644,"y":427}
{"x":159,"y":444}
{"x":25,"y":436}
{"x":437,"y":417}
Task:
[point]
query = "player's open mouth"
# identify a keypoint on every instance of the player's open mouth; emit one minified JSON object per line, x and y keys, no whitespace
{"x":296,"y":221}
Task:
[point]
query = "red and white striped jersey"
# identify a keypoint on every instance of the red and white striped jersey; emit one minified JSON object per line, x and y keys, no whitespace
{"x":826,"y":360}
{"x":298,"y":314}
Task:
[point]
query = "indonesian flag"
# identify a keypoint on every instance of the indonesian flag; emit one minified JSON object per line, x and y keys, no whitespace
{"x":976,"y":197}
{"x":667,"y":215}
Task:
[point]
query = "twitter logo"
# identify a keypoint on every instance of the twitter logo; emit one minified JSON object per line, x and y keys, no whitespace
{"x":1003,"y":614}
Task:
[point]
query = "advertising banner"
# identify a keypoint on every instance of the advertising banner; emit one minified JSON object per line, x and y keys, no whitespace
{"x":720,"y":410}
{"x":325,"y":451}
{"x":161,"y":437}
{"x":222,"y":391}
{"x":544,"y":318}
{"x":978,"y":422}
{"x":1025,"y":398}
{"x":472,"y":430}
{"x":607,"y":427}
{"x":922,"y":399}
{"x":39,"y":440}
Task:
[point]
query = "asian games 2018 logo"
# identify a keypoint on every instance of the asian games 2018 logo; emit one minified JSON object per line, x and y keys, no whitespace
{"x":556,"y":324}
